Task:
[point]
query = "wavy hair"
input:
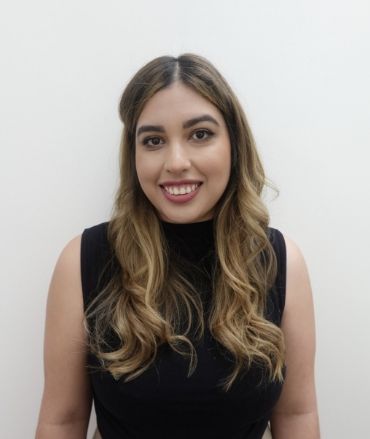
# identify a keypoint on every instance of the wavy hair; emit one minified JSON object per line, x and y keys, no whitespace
{"x":146,"y":299}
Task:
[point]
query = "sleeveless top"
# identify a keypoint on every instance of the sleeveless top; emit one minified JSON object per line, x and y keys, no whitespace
{"x":163,"y":402}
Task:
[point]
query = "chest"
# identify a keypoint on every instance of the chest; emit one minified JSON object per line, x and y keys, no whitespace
{"x":165,"y":388}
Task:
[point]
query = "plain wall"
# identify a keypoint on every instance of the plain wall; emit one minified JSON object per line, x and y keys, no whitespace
{"x":301,"y":70}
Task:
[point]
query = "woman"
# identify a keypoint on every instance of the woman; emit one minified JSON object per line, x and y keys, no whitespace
{"x":185,"y":315}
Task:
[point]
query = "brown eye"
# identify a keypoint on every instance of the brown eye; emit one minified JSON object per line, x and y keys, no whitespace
{"x":202,"y":134}
{"x":155,"y":141}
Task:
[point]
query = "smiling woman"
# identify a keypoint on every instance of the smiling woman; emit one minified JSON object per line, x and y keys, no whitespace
{"x":185,"y":315}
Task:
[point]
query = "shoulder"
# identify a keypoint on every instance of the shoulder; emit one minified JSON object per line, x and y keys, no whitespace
{"x":96,"y":230}
{"x":65,"y":282}
{"x":298,"y":323}
{"x":294,"y":253}
{"x":298,"y":326}
{"x":95,"y":238}
{"x":69,"y":257}
{"x":297,"y":276}
{"x":291,"y":257}
{"x":95,"y":245}
{"x":297,"y":283}
{"x":69,"y":260}
{"x":292,"y":280}
{"x":65,"y":295}
{"x":67,"y":393}
{"x":278,"y":242}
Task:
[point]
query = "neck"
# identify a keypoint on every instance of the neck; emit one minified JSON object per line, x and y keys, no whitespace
{"x":191,"y":240}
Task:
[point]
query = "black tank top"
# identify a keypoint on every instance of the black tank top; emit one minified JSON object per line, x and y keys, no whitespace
{"x":163,"y":402}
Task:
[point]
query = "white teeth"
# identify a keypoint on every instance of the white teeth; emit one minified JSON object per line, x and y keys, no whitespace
{"x":181,"y":190}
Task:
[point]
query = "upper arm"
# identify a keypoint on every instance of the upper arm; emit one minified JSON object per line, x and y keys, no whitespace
{"x":67,"y":394}
{"x":298,"y":394}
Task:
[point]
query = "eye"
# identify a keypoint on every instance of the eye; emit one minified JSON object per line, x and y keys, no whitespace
{"x":155,"y":141}
{"x":205,"y":134}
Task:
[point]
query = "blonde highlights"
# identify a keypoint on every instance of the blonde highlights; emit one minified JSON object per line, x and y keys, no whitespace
{"x":147,"y":300}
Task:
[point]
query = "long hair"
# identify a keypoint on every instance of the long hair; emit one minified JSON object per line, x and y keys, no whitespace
{"x":146,"y":299}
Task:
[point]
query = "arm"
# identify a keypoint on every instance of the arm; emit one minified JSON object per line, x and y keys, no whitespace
{"x":66,"y":402}
{"x":295,"y":415}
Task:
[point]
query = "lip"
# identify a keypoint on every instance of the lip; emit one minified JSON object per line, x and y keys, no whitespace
{"x":179,"y":182}
{"x":180,"y":198}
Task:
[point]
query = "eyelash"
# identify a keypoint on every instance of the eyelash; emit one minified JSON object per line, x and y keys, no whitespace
{"x":208,"y":132}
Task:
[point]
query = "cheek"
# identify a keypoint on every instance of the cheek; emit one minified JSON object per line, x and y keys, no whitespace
{"x":147,"y":174}
{"x":220,"y":165}
{"x":144,"y":169}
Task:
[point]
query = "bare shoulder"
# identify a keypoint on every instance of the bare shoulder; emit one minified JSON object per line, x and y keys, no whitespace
{"x":298,"y":327}
{"x":295,"y":260}
{"x":70,"y":255}
{"x":298,"y":310}
{"x":65,"y":290}
{"x":67,"y":393}
{"x":298,"y":284}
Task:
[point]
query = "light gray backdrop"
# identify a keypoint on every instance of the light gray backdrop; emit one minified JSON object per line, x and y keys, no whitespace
{"x":301,"y":70}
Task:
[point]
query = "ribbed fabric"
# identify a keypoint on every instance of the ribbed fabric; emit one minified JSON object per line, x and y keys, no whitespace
{"x":163,"y":402}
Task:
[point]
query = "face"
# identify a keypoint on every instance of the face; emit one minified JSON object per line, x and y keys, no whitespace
{"x":182,"y":154}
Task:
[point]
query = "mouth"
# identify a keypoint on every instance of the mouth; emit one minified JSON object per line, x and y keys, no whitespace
{"x":183,"y":189}
{"x":180,"y":194}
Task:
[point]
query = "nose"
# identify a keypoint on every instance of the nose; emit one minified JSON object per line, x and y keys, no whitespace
{"x":177,"y":159}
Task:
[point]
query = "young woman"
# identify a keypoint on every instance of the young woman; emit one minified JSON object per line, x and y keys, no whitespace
{"x":185,"y":315}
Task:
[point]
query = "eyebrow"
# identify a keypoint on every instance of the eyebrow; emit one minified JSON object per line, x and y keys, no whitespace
{"x":187,"y":124}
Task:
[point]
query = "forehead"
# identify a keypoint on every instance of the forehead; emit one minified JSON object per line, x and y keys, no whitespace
{"x":179,"y":102}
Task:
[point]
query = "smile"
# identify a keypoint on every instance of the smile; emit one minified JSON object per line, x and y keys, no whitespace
{"x":181,"y":194}
{"x":181,"y":190}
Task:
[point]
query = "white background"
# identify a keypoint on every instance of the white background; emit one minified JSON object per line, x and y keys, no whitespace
{"x":301,"y":70}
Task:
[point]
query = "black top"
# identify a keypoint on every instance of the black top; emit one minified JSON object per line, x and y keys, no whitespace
{"x":163,"y":402}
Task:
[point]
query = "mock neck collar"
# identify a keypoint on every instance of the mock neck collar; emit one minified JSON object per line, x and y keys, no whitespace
{"x":192,"y":240}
